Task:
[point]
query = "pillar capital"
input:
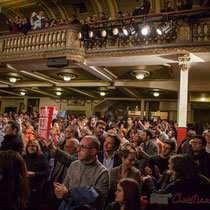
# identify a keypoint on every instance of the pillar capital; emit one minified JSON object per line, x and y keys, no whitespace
{"x":184,"y":62}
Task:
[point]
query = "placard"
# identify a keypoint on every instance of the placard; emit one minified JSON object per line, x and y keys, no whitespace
{"x":45,"y":119}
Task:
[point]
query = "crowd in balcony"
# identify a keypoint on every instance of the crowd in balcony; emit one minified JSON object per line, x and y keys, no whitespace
{"x":101,"y":163}
{"x":39,"y":20}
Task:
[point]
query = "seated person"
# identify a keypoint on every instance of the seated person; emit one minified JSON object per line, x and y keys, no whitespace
{"x":125,"y":170}
{"x":168,"y":7}
{"x":127,"y":196}
{"x":189,"y":186}
{"x":186,"y":4}
{"x":143,"y":9}
{"x":204,"y":3}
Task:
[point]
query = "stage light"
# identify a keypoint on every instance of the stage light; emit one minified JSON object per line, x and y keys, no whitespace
{"x":145,"y":30}
{"x":164,"y":28}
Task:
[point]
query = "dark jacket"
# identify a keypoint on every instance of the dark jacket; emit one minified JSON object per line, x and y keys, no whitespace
{"x":38,"y":164}
{"x":143,"y":10}
{"x":190,"y":194}
{"x":12,"y":143}
{"x":203,"y":159}
{"x":186,"y":6}
{"x":117,"y":159}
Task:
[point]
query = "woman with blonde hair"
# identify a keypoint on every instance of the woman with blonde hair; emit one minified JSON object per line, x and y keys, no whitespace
{"x":38,"y":170}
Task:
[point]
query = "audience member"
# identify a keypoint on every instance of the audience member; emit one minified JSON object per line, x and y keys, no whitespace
{"x":14,"y":186}
{"x":143,"y":9}
{"x":86,"y":178}
{"x":11,"y":139}
{"x":74,"y":19}
{"x":199,"y":154}
{"x":186,"y":4}
{"x":127,"y":196}
{"x":168,"y":7}
{"x":38,"y":171}
{"x":109,"y":157}
{"x":37,"y":21}
{"x":26,"y":25}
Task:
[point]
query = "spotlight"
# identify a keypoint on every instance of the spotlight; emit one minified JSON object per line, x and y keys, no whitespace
{"x":145,"y":30}
{"x":12,"y":79}
{"x":94,"y":34}
{"x":22,"y":93}
{"x":164,"y":28}
{"x":58,"y":93}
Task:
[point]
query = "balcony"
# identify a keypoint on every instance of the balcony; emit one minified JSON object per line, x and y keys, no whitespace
{"x":190,"y":32}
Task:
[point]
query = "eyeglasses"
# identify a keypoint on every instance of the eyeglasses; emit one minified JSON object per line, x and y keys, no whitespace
{"x":82,"y":147}
{"x":195,"y":142}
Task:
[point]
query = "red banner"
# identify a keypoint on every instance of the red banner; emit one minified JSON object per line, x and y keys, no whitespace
{"x":45,"y":119}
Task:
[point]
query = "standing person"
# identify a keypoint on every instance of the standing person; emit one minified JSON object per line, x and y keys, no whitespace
{"x":87,"y":180}
{"x":204,"y":3}
{"x":125,"y":170}
{"x":16,"y":26}
{"x":127,"y":196}
{"x":99,"y":131}
{"x":38,"y":171}
{"x":26,"y":25}
{"x":37,"y":21}
{"x":168,"y":7}
{"x":186,"y":4}
{"x":159,"y":163}
{"x":14,"y":187}
{"x":199,"y":154}
{"x":11,"y":140}
{"x":143,"y":9}
{"x":109,"y":157}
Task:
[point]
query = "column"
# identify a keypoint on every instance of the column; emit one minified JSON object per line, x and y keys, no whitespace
{"x":25,"y":105}
{"x":142,"y":109}
{"x":184,"y":65}
{"x":147,"y":110}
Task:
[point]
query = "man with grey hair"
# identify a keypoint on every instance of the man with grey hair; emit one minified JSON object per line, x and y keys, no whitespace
{"x":60,"y":170}
{"x":86,"y":178}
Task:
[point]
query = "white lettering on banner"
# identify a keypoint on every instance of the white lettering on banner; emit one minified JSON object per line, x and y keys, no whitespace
{"x":43,"y":133}
{"x":43,"y":122}
{"x":44,"y":112}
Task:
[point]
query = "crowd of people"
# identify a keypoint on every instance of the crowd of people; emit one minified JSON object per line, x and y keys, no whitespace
{"x":101,"y":163}
{"x":39,"y":20}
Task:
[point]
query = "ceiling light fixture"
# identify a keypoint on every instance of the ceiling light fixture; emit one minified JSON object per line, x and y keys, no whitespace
{"x":12,"y":79}
{"x":102,"y":93}
{"x":202,"y":99}
{"x":156,"y":94}
{"x":58,"y":93}
{"x":140,"y":74}
{"x":22,"y":93}
{"x":67,"y":76}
